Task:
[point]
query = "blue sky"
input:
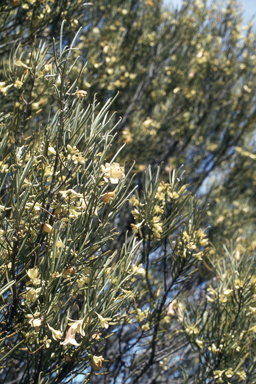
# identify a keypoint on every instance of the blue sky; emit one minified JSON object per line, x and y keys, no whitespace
{"x":249,"y":7}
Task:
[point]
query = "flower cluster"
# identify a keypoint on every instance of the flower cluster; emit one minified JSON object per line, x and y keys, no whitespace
{"x":189,"y":244}
{"x":149,"y":214}
{"x":75,"y":155}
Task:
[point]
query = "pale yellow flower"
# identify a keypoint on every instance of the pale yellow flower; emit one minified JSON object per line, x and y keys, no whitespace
{"x":145,"y":327}
{"x":247,"y":89}
{"x":170,"y":308}
{"x":4,"y":89}
{"x":47,"y":342}
{"x":51,"y":151}
{"x":18,"y":84}
{"x":32,"y":294}
{"x":96,"y":335}
{"x":217,"y":374}
{"x":81,"y":93}
{"x":139,"y":270}
{"x":241,"y":374}
{"x":213,"y":348}
{"x":33,"y":274}
{"x":204,"y":242}
{"x":137,"y":227}
{"x":229,"y":373}
{"x":70,"y":336}
{"x":173,"y":195}
{"x":47,"y":67}
{"x":104,"y":321}
{"x":157,"y":227}
{"x":75,"y":155}
{"x":36,"y":323}
{"x":134,"y":201}
{"x":59,"y":244}
{"x":200,"y":343}
{"x":72,"y":150}
{"x":71,"y":192}
{"x":113,"y":172}
{"x":56,"y":335}
{"x":147,"y":123}
{"x":96,"y":362}
{"x":79,"y":325}
{"x":192,"y":330}
{"x":158,"y":210}
{"x":19,"y":63}
{"x":163,"y":365}
{"x":127,"y":136}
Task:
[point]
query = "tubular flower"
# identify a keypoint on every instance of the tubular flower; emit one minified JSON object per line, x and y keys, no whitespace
{"x":104,"y":321}
{"x":70,"y":336}
{"x":56,"y":335}
{"x":170,"y":308}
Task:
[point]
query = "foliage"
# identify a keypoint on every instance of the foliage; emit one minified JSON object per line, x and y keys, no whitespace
{"x":107,"y":267}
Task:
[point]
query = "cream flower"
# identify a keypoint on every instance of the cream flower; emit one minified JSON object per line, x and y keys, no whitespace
{"x":137,"y":227}
{"x":51,"y":151}
{"x":170,"y":308}
{"x":19,"y":63}
{"x":229,"y":373}
{"x":75,"y":155}
{"x":70,"y":336}
{"x":145,"y":327}
{"x":71,"y":192}
{"x":114,"y":172}
{"x":79,"y":325}
{"x":104,"y":321}
{"x":56,"y":335}
{"x":33,"y":274}
{"x":36,"y":323}
{"x":18,"y":84}
{"x":81,"y":93}
{"x":32,"y":294}
{"x":200,"y":343}
{"x":4,"y":88}
{"x":139,"y":270}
